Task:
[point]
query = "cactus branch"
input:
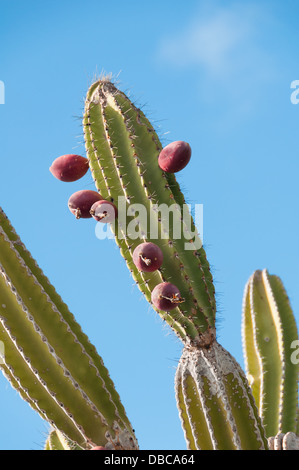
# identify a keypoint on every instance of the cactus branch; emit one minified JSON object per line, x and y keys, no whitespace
{"x":48,"y":359}
{"x":123,"y":149}
{"x":269,"y":329}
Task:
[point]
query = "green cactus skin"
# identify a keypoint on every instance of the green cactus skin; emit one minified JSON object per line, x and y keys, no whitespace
{"x":216,"y":406}
{"x":268,"y":331}
{"x":48,"y":358}
{"x":57,"y":441}
{"x":123,"y":149}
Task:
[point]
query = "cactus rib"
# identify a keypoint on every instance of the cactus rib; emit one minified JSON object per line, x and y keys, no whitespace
{"x":268,"y":330}
{"x":48,"y":358}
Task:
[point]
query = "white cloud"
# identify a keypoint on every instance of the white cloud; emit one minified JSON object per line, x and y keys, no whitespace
{"x":221,"y":45}
{"x":218,"y":39}
{"x":208,"y":40}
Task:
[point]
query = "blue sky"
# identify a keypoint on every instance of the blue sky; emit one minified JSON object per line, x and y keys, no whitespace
{"x":215,"y":74}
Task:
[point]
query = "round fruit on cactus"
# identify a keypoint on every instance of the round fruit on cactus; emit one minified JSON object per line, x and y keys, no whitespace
{"x":103,"y":211}
{"x":175,"y":156}
{"x":69,"y":168}
{"x":81,"y":202}
{"x":166,"y":296}
{"x":147,"y":257}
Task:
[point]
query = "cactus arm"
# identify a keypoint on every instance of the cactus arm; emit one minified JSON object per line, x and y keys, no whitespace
{"x":63,"y":378}
{"x":24,"y":377}
{"x":54,"y":443}
{"x":103,"y":170}
{"x":57,"y":441}
{"x":92,"y":359}
{"x":253,"y":365}
{"x":122,"y":148}
{"x":269,"y":326}
{"x":287,"y":333}
{"x":221,"y":411}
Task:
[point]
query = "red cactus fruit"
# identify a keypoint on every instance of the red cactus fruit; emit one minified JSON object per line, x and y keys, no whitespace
{"x":175,"y":156}
{"x":147,"y":257}
{"x":80,"y":203}
{"x":166,"y":296}
{"x":98,"y":448}
{"x":103,"y":211}
{"x":69,"y":167}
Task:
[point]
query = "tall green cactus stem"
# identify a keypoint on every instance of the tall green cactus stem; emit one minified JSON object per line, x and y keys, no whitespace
{"x":48,"y":358}
{"x":123,"y":149}
{"x":216,"y":406}
{"x":269,"y":331}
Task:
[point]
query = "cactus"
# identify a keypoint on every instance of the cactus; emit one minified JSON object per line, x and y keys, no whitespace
{"x":48,"y":358}
{"x":219,"y":406}
{"x":123,"y":151}
{"x":269,"y":330}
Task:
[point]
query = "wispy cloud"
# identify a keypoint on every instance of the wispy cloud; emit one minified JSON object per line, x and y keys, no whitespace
{"x":210,"y":39}
{"x":223,"y":43}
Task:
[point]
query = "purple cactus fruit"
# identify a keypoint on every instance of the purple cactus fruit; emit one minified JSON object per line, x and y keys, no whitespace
{"x":175,"y":156}
{"x":103,"y":211}
{"x":166,"y":296}
{"x":80,"y":203}
{"x":69,"y":167}
{"x":147,"y":257}
{"x":98,"y":448}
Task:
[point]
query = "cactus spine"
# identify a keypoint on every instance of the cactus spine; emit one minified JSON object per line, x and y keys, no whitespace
{"x":49,"y":360}
{"x":123,"y":150}
{"x":269,"y":330}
